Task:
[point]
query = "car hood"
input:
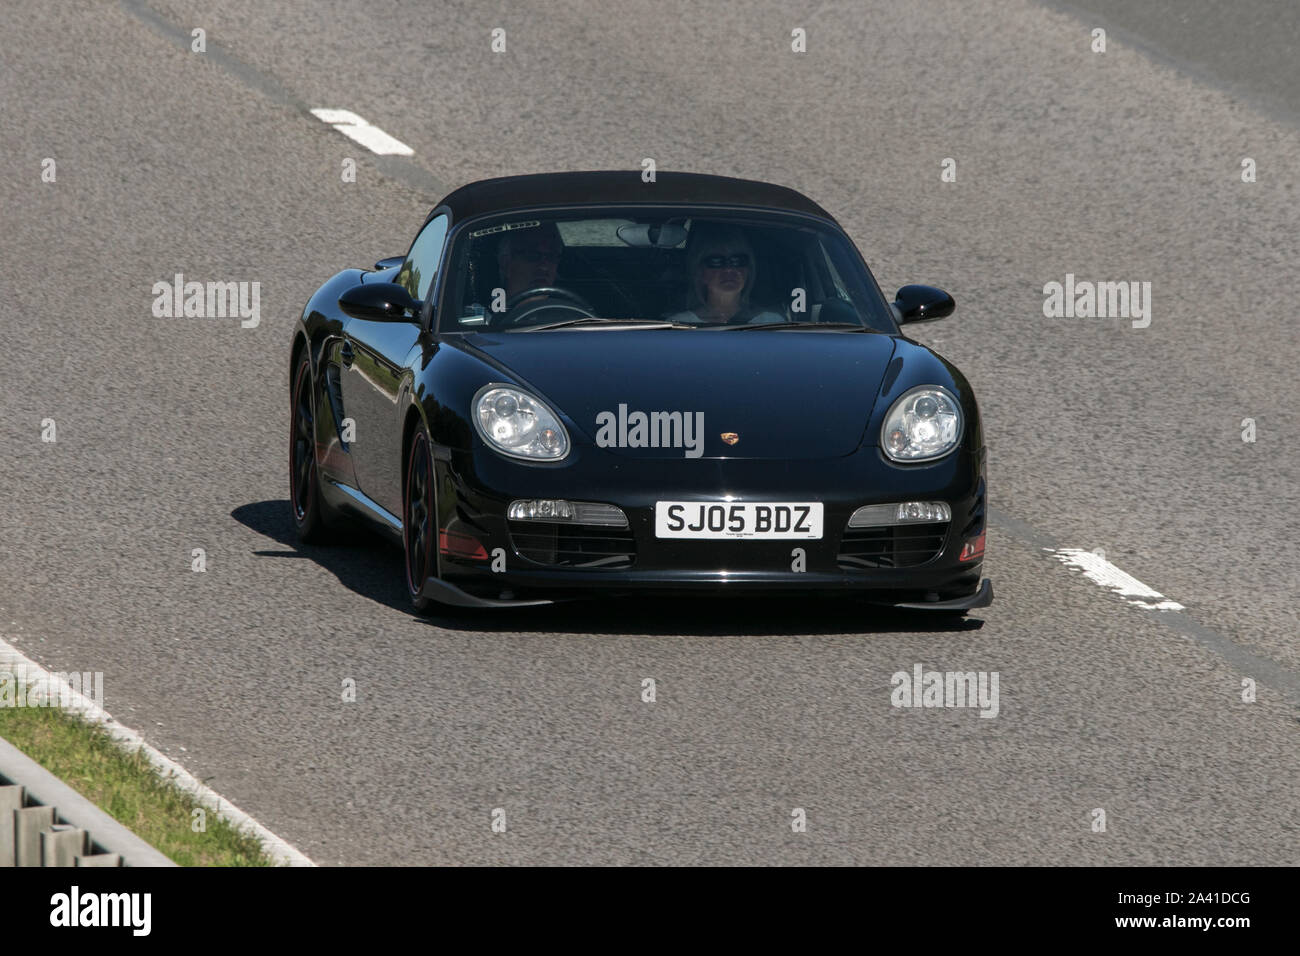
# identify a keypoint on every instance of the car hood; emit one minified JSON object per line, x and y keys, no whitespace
{"x":783,"y":394}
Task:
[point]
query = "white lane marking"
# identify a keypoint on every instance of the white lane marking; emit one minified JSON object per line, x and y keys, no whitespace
{"x":371,"y":137}
{"x":1102,"y":572}
{"x":279,"y":850}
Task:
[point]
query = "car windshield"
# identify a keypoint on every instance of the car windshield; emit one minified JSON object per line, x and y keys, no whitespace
{"x":589,"y":269}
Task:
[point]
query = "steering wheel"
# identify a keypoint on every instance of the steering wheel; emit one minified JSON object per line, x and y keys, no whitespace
{"x":549,"y":293}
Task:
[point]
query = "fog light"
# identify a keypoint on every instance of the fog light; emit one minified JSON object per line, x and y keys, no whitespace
{"x":540,"y":510}
{"x":460,"y":545}
{"x":904,"y":512}
{"x":571,"y":512}
{"x":972,"y":549}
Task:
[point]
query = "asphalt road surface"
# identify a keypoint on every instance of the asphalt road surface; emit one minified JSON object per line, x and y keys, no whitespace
{"x":1117,"y":166}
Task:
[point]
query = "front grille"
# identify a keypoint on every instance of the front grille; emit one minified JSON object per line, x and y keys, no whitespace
{"x":573,"y":545}
{"x":897,"y":546}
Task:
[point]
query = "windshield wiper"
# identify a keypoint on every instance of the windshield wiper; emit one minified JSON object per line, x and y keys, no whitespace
{"x":589,"y":320}
{"x":799,"y":325}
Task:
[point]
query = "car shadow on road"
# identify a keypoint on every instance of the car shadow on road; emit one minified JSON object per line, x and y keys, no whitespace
{"x":367,"y":564}
{"x":362,"y":560}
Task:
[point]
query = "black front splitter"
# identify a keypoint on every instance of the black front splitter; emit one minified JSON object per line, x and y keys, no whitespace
{"x":438,"y":590}
{"x":983,"y":597}
{"x":445,"y":593}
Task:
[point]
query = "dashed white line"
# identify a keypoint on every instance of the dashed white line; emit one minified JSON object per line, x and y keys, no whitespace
{"x":1100,"y":571}
{"x":54,"y":687}
{"x":371,"y":137}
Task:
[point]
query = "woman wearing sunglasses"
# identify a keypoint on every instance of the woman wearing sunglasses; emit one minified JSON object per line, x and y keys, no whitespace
{"x":721,"y":270}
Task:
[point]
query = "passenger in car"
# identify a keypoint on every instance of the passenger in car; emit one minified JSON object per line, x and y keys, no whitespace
{"x":721,"y":269}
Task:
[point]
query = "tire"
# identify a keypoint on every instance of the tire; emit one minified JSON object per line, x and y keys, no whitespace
{"x":419,"y":519}
{"x":304,"y":478}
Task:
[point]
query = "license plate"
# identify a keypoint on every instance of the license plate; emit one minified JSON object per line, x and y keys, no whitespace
{"x":755,"y":520}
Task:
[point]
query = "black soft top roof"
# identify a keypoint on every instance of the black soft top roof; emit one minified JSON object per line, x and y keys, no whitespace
{"x":615,"y":187}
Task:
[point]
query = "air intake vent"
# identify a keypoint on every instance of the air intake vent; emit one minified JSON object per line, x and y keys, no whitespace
{"x":899,"y":546}
{"x":573,"y":545}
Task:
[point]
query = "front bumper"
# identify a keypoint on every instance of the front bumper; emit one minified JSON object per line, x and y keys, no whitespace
{"x":446,"y":593}
{"x":475,"y":488}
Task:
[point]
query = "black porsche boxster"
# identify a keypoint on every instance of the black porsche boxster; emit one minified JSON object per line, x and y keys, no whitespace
{"x":583,"y":383}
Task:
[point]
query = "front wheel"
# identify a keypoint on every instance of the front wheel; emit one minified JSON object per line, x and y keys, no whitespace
{"x":419,"y":519}
{"x":304,"y":483}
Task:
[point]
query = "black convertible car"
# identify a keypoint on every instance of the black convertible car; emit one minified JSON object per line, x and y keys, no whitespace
{"x":582,"y":383}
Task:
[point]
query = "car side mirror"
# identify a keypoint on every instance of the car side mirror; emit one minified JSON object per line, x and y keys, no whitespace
{"x":922,"y":303}
{"x":379,"y":302}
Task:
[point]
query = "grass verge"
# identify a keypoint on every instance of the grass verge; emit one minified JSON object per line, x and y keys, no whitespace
{"x":127,"y":787}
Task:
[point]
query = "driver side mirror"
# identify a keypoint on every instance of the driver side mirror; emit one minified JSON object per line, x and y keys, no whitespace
{"x":922,"y":303}
{"x":379,"y":302}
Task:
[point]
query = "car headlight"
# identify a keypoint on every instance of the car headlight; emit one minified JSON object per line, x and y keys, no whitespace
{"x":511,"y":421}
{"x":924,"y":424}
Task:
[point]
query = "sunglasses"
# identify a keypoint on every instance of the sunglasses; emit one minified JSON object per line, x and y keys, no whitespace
{"x":739,"y":261}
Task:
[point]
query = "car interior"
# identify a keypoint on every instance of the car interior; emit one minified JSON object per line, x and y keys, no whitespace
{"x":624,"y":281}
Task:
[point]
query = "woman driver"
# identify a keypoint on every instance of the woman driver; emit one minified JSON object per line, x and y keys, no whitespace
{"x":721,"y":269}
